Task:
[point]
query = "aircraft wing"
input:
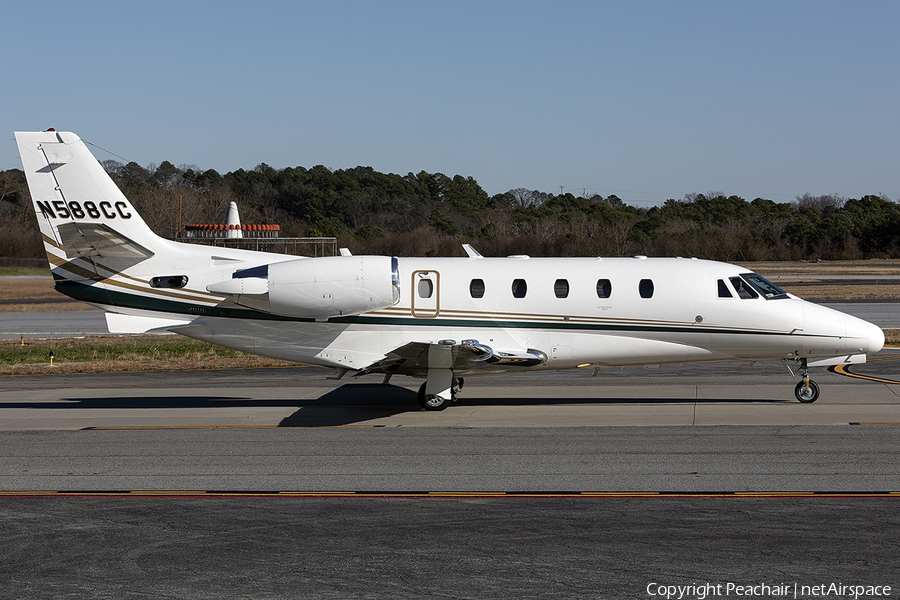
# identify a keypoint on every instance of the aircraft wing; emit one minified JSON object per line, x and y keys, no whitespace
{"x":467,"y":356}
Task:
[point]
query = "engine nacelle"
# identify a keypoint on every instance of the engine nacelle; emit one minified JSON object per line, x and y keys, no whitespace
{"x":317,"y":288}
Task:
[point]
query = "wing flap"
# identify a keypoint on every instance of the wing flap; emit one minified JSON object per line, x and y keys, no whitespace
{"x":463,"y":357}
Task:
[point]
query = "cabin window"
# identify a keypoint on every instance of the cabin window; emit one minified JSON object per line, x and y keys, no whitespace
{"x":519,"y":288}
{"x":646,"y":288}
{"x":724,"y":292}
{"x":476,"y":288}
{"x":170,"y":281}
{"x":743,"y":289}
{"x":426,"y":288}
{"x":561,"y":288}
{"x":769,"y":290}
{"x":604,"y":288}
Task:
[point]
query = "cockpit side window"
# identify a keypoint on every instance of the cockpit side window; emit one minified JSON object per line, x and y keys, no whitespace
{"x":724,"y":292}
{"x":743,"y":289}
{"x":769,"y":290}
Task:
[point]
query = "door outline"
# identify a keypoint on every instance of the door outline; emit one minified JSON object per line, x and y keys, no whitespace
{"x":428,"y":308}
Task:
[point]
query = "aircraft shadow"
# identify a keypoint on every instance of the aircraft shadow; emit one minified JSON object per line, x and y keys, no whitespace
{"x":346,"y":405}
{"x":360,"y":402}
{"x":637,"y":401}
{"x":351,"y":403}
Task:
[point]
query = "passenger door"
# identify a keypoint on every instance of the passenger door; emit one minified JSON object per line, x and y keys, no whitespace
{"x":426,"y":298}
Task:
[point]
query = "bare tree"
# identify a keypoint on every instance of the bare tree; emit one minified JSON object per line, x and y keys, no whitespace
{"x":528,"y":198}
{"x":822,"y":203}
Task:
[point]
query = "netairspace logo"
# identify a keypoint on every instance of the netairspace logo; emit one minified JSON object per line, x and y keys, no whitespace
{"x":702,"y":591}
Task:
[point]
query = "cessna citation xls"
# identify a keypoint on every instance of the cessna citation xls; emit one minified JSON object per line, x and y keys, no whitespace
{"x":436,"y":318}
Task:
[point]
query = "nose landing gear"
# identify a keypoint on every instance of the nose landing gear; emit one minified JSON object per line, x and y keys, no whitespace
{"x":806,"y":391}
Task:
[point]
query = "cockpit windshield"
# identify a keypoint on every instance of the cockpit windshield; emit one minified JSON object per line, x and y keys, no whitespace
{"x":766,"y":288}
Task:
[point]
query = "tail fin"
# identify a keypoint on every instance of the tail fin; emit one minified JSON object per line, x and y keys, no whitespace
{"x":81,"y":212}
{"x":233,"y":222}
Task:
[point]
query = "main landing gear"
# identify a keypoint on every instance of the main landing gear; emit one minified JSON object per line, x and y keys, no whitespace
{"x":806,"y":391}
{"x":439,"y":400}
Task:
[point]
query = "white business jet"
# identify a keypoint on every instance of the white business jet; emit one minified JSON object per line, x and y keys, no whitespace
{"x":436,"y":318}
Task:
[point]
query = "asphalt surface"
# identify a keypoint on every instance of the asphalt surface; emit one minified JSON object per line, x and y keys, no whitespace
{"x":512,"y":493}
{"x":691,"y":428}
{"x":136,"y":548}
{"x":498,"y":510}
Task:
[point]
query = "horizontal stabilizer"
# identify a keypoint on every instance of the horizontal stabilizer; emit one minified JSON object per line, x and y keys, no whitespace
{"x":98,"y":239}
{"x":119,"y":323}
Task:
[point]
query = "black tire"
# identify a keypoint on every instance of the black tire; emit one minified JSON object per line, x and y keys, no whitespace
{"x":431,"y":402}
{"x":807,"y":394}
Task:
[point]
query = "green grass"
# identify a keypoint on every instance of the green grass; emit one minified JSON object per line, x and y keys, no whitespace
{"x":94,"y":349}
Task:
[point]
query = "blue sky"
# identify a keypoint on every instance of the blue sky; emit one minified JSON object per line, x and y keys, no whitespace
{"x":647,"y":100}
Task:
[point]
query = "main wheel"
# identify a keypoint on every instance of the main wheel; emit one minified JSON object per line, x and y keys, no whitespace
{"x":807,"y":393}
{"x":431,"y":402}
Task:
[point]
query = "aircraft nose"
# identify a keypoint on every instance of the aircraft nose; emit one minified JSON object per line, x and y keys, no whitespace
{"x":876,"y":339}
{"x":870,"y":336}
{"x":830,"y":330}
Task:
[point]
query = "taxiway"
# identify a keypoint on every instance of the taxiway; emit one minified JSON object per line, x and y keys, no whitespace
{"x":220,"y":484}
{"x":681,"y":428}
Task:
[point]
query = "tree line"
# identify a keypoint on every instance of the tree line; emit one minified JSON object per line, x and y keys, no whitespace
{"x":432,"y":214}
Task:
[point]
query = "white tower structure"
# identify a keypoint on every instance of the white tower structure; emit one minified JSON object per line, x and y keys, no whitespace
{"x":233,"y":219}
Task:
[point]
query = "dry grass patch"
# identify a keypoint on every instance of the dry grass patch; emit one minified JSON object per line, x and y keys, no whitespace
{"x":72,"y":306}
{"x":12,"y":288}
{"x":867,"y":268}
{"x":842,"y":291}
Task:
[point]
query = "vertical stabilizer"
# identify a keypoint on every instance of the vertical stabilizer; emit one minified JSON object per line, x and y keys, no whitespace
{"x":233,"y":222}
{"x":82,"y":214}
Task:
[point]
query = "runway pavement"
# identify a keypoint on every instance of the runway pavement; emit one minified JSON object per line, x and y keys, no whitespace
{"x":532,"y":502}
{"x":42,"y":324}
{"x":234,"y":484}
{"x":688,"y":428}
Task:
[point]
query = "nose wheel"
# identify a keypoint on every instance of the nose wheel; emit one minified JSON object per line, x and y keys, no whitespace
{"x":807,"y":391}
